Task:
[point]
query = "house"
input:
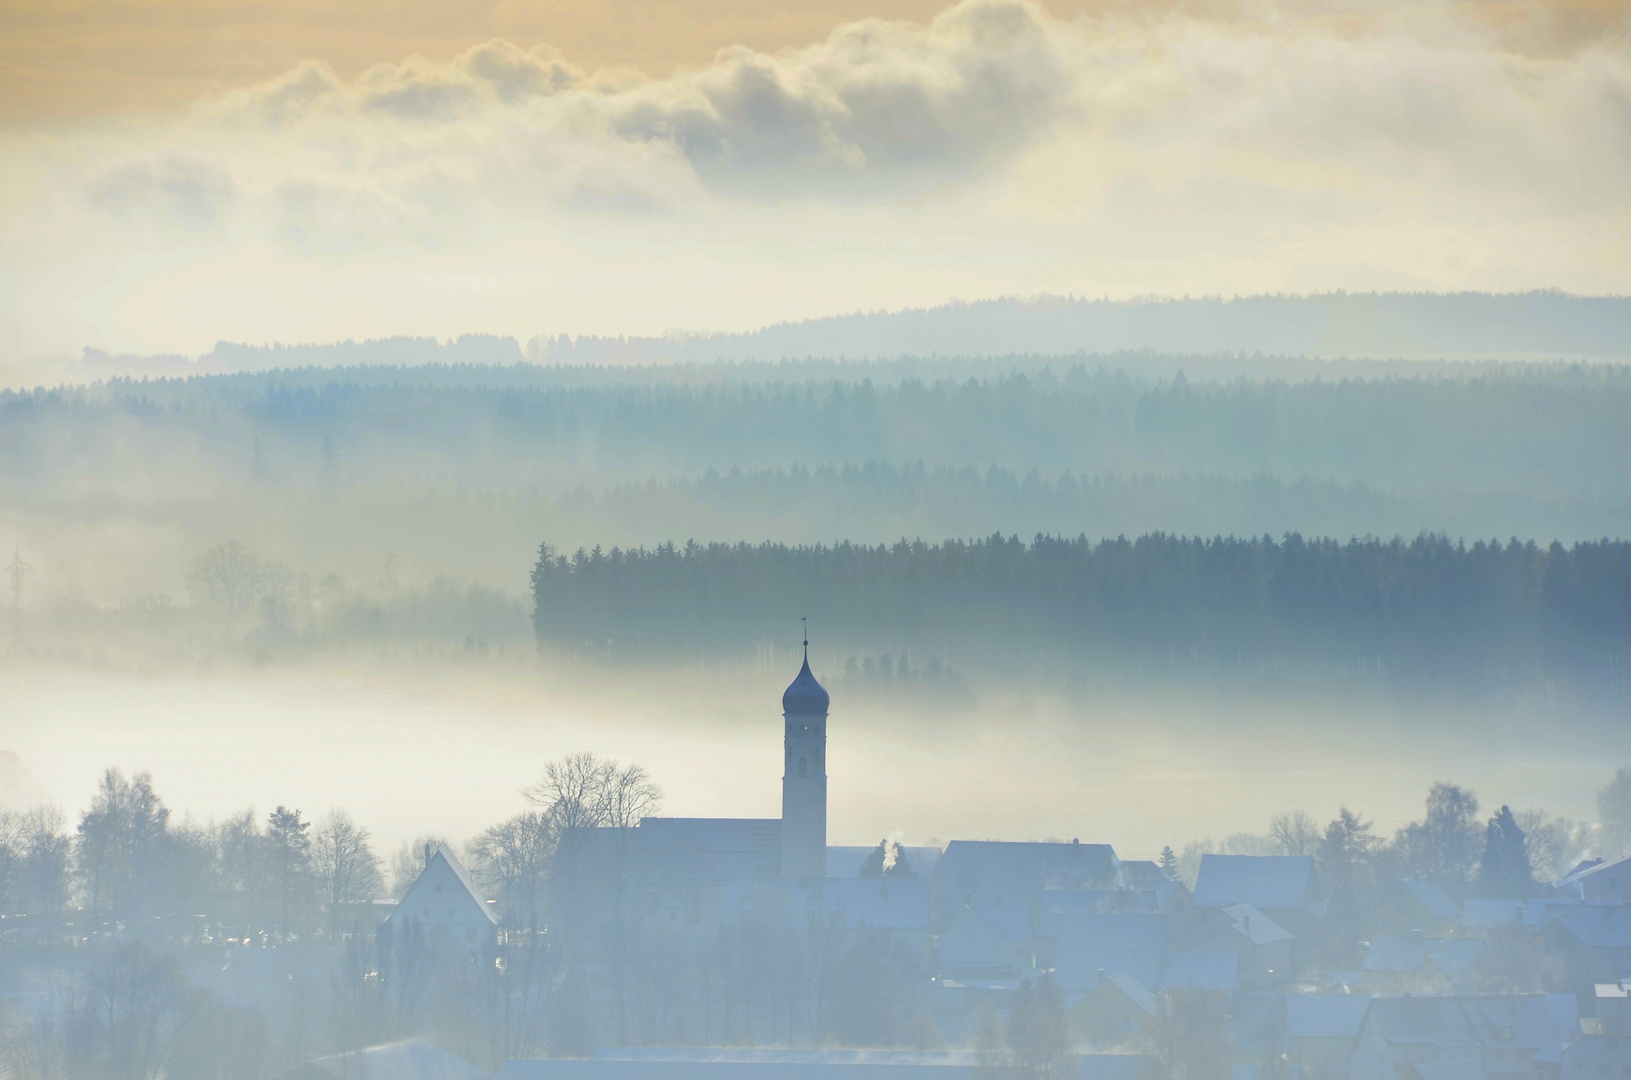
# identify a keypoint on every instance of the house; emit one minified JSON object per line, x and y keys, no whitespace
{"x":1087,"y":945}
{"x":995,"y":870}
{"x":411,"y":1059}
{"x":1415,"y":907}
{"x":1595,"y":1056}
{"x":1594,"y":940}
{"x":1262,"y":945}
{"x":1283,"y":887}
{"x":1501,"y":1034}
{"x":1112,"y":1012}
{"x":1320,"y":1031}
{"x":1598,"y":880}
{"x":1267,"y":882}
{"x":445,"y":906}
{"x":990,"y":939}
{"x":1614,"y":1006}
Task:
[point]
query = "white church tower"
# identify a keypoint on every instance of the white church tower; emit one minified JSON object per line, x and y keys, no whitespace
{"x":804,"y":776}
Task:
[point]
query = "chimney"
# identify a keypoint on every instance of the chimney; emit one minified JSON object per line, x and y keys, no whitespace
{"x":427,"y":855}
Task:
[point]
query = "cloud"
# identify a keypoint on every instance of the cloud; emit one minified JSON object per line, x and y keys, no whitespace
{"x":1223,"y":147}
{"x":166,"y":189}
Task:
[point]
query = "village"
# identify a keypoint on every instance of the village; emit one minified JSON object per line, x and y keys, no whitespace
{"x":682,"y":948}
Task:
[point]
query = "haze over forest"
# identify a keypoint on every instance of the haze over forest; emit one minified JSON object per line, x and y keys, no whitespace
{"x":1087,"y":529}
{"x":1015,"y":540}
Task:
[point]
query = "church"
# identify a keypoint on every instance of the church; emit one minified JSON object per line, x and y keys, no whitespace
{"x":685,"y":877}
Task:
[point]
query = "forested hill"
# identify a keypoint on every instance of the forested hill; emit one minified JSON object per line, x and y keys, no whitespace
{"x":1254,"y":336}
{"x":1550,"y":324}
{"x":1421,"y":611}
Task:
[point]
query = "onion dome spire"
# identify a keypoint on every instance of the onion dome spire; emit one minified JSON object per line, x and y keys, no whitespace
{"x":805,"y":696}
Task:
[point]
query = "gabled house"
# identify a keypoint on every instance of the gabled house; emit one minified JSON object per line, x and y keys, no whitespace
{"x":1598,"y":880}
{"x":1267,"y":882}
{"x":1415,"y":907}
{"x":445,"y":906}
{"x":1507,"y":1036}
{"x":1262,"y":945}
{"x":1614,"y":1006}
{"x":990,"y":939}
{"x":1594,"y":940}
{"x":1320,"y":1031}
{"x":1112,"y":1012}
{"x":1283,"y":887}
{"x":1591,"y":1057}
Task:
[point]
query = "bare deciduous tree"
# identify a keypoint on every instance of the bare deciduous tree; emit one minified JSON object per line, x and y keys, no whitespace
{"x":344,"y":866}
{"x":1295,"y":833}
{"x":512,"y":862}
{"x":1188,"y":1037}
{"x":227,"y":576}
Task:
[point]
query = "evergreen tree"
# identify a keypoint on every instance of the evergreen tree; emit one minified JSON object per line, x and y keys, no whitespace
{"x":873,"y":867}
{"x":288,"y":853}
{"x":1169,"y":862}
{"x":900,"y":866}
{"x":1504,"y":871}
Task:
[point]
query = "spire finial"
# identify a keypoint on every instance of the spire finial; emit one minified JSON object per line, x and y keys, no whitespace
{"x":805,"y":619}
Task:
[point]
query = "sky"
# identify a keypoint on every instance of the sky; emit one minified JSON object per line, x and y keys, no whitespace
{"x":177,"y":173}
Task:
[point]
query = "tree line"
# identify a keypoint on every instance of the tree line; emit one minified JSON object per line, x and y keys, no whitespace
{"x":1424,"y":609}
{"x":130,"y":910}
{"x":1538,"y":432}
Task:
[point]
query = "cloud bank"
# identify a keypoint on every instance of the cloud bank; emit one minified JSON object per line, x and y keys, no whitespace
{"x":995,"y":148}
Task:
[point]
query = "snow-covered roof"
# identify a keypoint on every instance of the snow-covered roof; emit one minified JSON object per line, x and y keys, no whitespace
{"x":1250,"y":923}
{"x":1596,"y":926}
{"x":1595,"y":868}
{"x":992,"y":869}
{"x":1135,"y":991}
{"x":1324,"y":1016}
{"x":1455,"y":957}
{"x":1428,"y":893}
{"x":1144,"y":873}
{"x":679,"y":851}
{"x":1269,"y":882}
{"x":1530,"y":1022}
{"x":442,"y":864}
